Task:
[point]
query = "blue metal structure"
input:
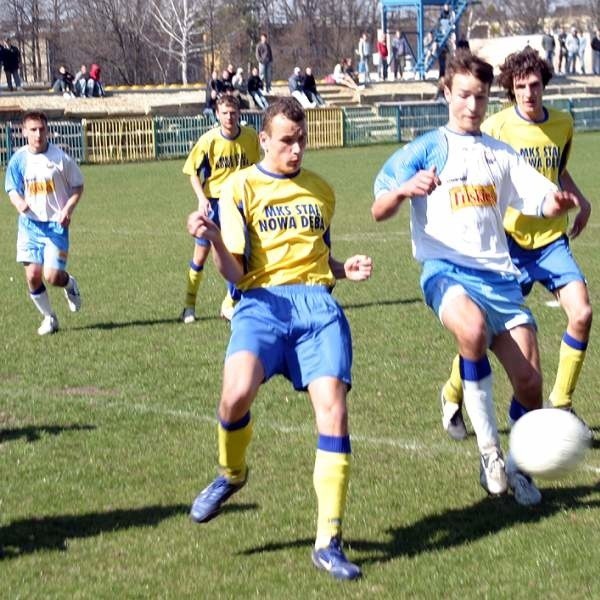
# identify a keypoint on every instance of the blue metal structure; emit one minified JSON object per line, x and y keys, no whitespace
{"x":424,"y":62}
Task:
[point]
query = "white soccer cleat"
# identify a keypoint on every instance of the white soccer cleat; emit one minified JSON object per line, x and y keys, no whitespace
{"x":188,"y":315}
{"x":492,"y":473}
{"x":73,"y":297}
{"x":49,"y":325}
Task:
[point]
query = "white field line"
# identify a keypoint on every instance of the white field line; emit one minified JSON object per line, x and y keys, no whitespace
{"x":402,"y":444}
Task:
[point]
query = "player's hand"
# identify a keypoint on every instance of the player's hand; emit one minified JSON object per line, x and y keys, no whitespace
{"x":358,"y":267}
{"x":423,"y":183}
{"x":580,"y":221}
{"x":64,"y":217}
{"x":200,"y":225}
{"x":204,"y":206}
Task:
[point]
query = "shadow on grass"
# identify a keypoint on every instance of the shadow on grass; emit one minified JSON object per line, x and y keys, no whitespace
{"x":454,"y":527}
{"x":397,"y":302}
{"x":33,"y":433}
{"x":139,"y":323}
{"x":28,"y":536}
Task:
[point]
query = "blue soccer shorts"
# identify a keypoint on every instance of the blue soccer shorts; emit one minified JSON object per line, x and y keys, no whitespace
{"x":552,"y":265}
{"x":298,"y":331}
{"x":42,"y":243}
{"x":498,"y":295}
{"x":215,"y":216}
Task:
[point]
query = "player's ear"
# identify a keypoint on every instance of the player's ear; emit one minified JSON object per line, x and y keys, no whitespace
{"x":263,"y":138}
{"x":447,"y":94}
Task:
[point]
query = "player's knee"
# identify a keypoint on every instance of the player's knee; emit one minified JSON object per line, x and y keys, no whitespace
{"x":581,"y":319}
{"x":56,"y":277}
{"x":235,"y":401}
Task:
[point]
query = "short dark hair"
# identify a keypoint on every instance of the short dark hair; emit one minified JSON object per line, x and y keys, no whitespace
{"x":464,"y":61}
{"x":228,"y":100}
{"x":34,"y":115}
{"x":520,"y":64}
{"x":287,"y":106}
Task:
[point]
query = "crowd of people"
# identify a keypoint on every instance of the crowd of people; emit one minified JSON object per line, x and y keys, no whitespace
{"x":84,"y":84}
{"x":566,"y":52}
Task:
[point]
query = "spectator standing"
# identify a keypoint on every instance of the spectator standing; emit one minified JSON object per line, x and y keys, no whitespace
{"x":382,"y":51}
{"x":572,"y":43}
{"x":447,"y":18}
{"x":596,"y":53}
{"x":364,"y":54}
{"x":562,"y":51}
{"x":264,"y":56}
{"x":309,"y":87}
{"x":11,"y":62}
{"x":399,"y":51}
{"x":581,"y":51}
{"x":255,"y":86}
{"x":549,"y":45}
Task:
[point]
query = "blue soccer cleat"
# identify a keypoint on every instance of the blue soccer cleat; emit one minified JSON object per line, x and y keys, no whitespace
{"x":333,"y":560}
{"x":207,"y":504}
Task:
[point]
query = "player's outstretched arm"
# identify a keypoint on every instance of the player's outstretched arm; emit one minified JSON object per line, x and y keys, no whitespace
{"x":558,"y":203}
{"x":230,"y":267}
{"x":585,"y":209}
{"x":356,"y":268}
{"x":421,"y":184}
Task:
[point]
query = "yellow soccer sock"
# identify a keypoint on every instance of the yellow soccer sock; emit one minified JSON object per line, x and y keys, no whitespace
{"x":194,"y":277}
{"x":570,"y":361}
{"x":453,"y":390}
{"x":234,"y":439}
{"x":330,"y":479}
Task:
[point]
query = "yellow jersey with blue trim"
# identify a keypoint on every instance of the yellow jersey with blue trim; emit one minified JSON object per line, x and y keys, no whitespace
{"x":545,"y":145}
{"x":215,"y":157}
{"x":279,"y":225}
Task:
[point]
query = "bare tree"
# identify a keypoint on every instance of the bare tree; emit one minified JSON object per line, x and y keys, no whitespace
{"x":180,"y":21}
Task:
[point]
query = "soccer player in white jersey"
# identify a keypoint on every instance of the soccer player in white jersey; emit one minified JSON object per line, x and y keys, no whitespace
{"x":45,"y":185}
{"x":459,"y":183}
{"x":539,"y":248}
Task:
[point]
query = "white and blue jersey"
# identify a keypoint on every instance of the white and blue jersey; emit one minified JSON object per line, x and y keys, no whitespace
{"x":45,"y":180}
{"x":461,"y":220}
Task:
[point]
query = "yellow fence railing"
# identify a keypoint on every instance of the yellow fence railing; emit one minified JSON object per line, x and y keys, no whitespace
{"x":119,"y":140}
{"x":325,"y":128}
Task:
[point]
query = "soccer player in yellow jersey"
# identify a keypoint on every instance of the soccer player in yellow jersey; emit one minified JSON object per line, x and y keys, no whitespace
{"x":275,"y":246}
{"x":217,"y":154}
{"x":538,"y":247}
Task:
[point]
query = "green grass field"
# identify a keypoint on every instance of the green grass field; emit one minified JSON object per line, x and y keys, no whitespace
{"x":107,"y":429}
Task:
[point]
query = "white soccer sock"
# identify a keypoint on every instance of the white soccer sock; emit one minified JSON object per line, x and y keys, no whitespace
{"x":41,"y":301}
{"x":480,"y":408}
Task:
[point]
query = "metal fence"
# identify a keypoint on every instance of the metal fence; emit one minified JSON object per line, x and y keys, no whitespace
{"x":151,"y":138}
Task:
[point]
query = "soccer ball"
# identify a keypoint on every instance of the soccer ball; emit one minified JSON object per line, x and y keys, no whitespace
{"x":548,"y":443}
